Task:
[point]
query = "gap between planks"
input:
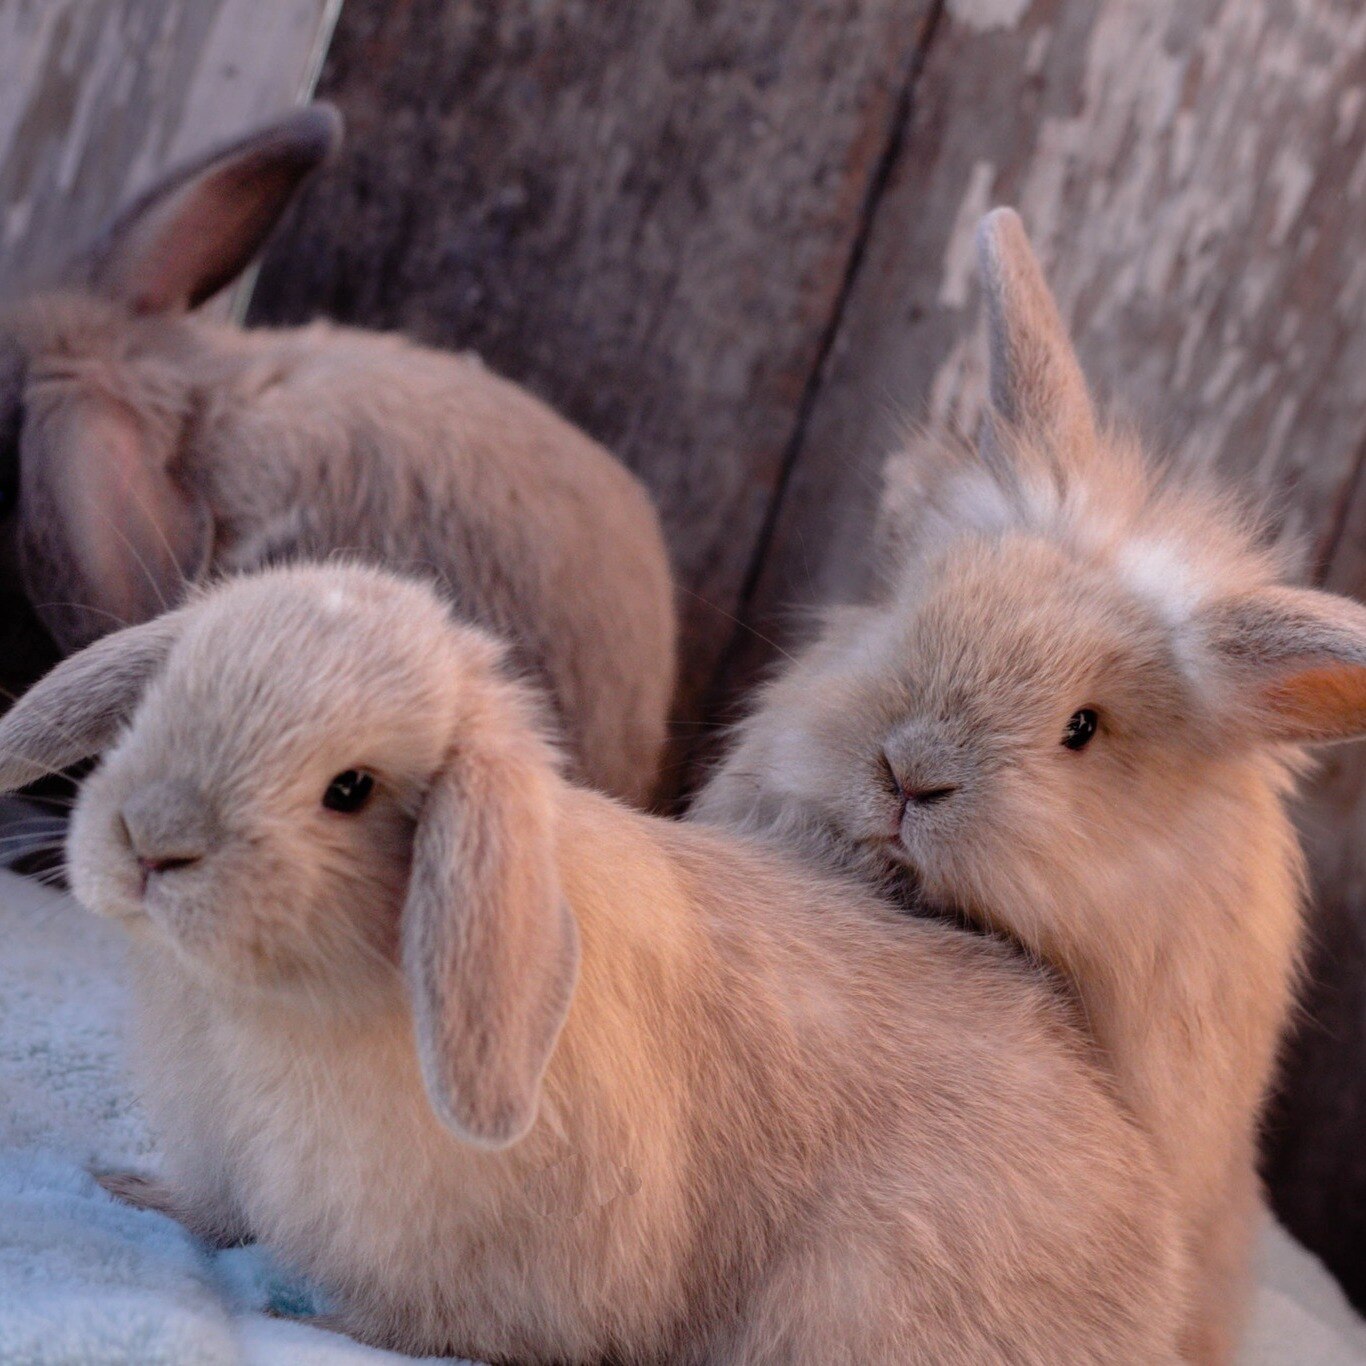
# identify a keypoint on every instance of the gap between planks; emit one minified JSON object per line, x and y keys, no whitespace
{"x":717,"y":698}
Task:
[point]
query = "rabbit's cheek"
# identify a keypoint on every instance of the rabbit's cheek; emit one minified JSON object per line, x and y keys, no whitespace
{"x":103,"y":873}
{"x":168,"y":902}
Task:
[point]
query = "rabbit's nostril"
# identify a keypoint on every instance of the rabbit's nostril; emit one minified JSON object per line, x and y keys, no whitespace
{"x":927,"y":796}
{"x":166,"y":865}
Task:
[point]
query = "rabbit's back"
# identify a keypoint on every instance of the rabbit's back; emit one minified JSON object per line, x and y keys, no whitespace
{"x":939,"y":1091}
{"x":325,"y":440}
{"x":779,"y":1125}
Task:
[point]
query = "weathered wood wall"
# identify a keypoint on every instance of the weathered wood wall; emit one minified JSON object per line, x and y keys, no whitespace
{"x":733,"y":240}
{"x":644,"y":211}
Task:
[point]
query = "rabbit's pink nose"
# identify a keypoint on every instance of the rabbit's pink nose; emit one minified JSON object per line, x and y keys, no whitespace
{"x":166,"y":826}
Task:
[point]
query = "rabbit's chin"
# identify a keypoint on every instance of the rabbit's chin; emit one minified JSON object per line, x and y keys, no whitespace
{"x":188,"y":925}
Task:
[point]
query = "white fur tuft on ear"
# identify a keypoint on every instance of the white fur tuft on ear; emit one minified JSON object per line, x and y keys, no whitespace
{"x":77,"y":709}
{"x":1037,"y":384}
{"x":1297,"y":662}
{"x":197,"y":230}
{"x":490,"y":948}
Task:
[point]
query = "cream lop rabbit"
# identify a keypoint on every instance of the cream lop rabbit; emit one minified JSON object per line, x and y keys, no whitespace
{"x":1076,"y":717}
{"x":143,"y":445}
{"x":519,"y":1073}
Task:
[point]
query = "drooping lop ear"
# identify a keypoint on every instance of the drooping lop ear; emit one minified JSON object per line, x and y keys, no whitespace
{"x":1036,"y":381}
{"x":490,"y":947}
{"x":198,"y":229}
{"x":107,"y":536}
{"x":77,"y":709}
{"x":1296,"y":661}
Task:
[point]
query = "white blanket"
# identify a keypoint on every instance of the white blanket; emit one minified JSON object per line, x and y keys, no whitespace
{"x":86,"y":1281}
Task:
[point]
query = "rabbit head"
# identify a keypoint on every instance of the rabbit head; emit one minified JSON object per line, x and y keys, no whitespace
{"x":1081,"y":666}
{"x":315,"y":783}
{"x":96,"y":523}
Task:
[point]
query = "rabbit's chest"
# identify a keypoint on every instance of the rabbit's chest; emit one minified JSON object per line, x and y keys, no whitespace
{"x":340,"y":1165}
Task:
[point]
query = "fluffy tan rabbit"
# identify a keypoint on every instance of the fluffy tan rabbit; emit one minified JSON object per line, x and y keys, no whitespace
{"x":1076,"y":717}
{"x":517,"y":1072}
{"x":142,"y":446}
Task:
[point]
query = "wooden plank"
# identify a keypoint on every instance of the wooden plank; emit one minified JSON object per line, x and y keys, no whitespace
{"x":100,"y":96}
{"x":1195,"y":177}
{"x":642,"y":211}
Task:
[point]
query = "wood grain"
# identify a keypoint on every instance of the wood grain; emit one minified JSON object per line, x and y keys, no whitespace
{"x":644,"y":212}
{"x":1194,"y":177}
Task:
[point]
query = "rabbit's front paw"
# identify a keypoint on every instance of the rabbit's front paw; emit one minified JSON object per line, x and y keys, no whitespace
{"x":150,"y":1193}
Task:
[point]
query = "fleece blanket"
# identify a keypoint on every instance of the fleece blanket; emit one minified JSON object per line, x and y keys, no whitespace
{"x":86,"y":1281}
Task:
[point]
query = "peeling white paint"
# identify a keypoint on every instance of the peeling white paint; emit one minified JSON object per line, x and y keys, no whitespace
{"x":1348,"y":112}
{"x":1038,"y":51}
{"x":1173,"y":186}
{"x":984,"y":15}
{"x":1292,"y":179}
{"x":960,"y":259}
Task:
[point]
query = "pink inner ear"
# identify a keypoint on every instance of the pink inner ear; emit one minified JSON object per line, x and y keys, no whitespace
{"x":201,"y":239}
{"x":198,"y":229}
{"x":108,"y":539}
{"x":1323,"y":703}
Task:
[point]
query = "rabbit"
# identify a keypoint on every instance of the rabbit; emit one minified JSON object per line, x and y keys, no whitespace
{"x":143,"y":447}
{"x":1074,"y":714}
{"x":520,"y":1073}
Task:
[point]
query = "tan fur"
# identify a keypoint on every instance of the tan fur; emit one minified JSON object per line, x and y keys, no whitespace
{"x":771,"y":1123}
{"x":1157,"y":868}
{"x":157,"y":446}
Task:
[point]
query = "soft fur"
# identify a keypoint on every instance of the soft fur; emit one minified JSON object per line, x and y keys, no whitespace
{"x":919,"y":739}
{"x":521,"y":1074}
{"x":155,"y":446}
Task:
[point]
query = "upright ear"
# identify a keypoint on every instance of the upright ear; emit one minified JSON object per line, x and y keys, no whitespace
{"x":1296,"y":661}
{"x":1037,"y":385}
{"x":108,"y":537}
{"x":77,"y":709}
{"x":490,"y":948}
{"x":198,"y":229}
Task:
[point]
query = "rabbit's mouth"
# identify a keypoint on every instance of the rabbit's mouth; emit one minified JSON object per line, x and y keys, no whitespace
{"x":908,"y":889}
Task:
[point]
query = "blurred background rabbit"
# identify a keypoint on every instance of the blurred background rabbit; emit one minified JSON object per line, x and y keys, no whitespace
{"x":732,"y":242}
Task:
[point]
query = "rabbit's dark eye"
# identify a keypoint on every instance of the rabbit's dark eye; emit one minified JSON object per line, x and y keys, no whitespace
{"x":349,"y":791}
{"x":1081,"y":728}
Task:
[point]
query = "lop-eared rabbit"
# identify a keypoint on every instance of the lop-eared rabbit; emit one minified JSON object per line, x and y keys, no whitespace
{"x":520,"y":1073}
{"x":146,"y":446}
{"x":1075,"y":717}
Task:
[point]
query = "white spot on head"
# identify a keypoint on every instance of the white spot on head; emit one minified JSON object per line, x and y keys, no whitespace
{"x":336,"y":602}
{"x":979,"y":502}
{"x":1160,"y":573}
